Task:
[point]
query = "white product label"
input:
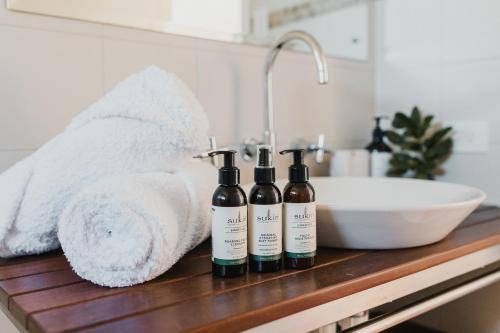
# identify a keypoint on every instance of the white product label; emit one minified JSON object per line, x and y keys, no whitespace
{"x":229,"y":235}
{"x":300,"y":229}
{"x":264,"y":231}
{"x":380,"y":163}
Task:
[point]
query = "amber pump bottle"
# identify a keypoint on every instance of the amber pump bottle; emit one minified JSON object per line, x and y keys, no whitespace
{"x":265,"y":211}
{"x":299,"y":214}
{"x":229,"y":221}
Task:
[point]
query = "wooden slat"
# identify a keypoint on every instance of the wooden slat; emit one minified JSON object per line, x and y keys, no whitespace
{"x":44,"y":290}
{"x":21,"y":306}
{"x":20,"y":275}
{"x":44,"y":265}
{"x":140,"y":300}
{"x":32,"y":258}
{"x":250,"y":306}
{"x":32,"y":283}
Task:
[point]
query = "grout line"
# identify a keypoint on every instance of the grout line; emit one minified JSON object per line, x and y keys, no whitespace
{"x":39,"y":28}
{"x":190,"y":43}
{"x":102,"y":35}
{"x":197,"y":74}
{"x":103,"y":68}
{"x":7,"y":150}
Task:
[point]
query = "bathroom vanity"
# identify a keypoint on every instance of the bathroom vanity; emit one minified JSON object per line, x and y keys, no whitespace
{"x":42,"y":294}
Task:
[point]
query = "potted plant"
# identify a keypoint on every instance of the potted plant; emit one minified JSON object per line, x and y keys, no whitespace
{"x":421,"y":147}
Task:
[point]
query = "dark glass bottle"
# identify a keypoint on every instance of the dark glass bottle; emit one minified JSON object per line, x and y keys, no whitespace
{"x":380,"y":152}
{"x":299,"y":215}
{"x":378,"y":144}
{"x":229,"y":221}
{"x":265,"y":217}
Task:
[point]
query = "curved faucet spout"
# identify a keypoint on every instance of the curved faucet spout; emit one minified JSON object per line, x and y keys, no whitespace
{"x":321,"y":71}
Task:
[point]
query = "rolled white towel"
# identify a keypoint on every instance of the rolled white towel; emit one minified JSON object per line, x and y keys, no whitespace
{"x":145,"y":124}
{"x":129,"y":229}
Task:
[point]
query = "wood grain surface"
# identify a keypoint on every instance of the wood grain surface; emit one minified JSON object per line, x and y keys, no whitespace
{"x":44,"y":294}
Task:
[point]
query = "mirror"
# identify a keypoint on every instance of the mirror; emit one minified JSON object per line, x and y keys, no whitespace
{"x":340,"y":26}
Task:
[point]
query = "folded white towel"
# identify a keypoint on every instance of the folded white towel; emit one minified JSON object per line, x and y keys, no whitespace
{"x":129,"y":229}
{"x":145,"y":124}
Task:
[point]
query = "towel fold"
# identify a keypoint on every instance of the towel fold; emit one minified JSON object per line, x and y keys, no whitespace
{"x":129,"y":229}
{"x":147,"y":123}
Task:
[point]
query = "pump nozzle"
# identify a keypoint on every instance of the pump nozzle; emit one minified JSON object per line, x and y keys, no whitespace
{"x":264,"y":171}
{"x":229,"y":174}
{"x":298,"y":172}
{"x":265,"y":156}
{"x":378,"y":134}
{"x":377,"y":120}
{"x":298,"y":155}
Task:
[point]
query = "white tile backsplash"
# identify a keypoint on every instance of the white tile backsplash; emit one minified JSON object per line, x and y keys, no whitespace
{"x":298,"y":100}
{"x":53,"y":68}
{"x":10,"y":157}
{"x":46,"y":79}
{"x":47,"y":23}
{"x":230,"y":89}
{"x":123,"y":57}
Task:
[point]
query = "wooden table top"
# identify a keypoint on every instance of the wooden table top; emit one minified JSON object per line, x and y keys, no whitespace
{"x":44,"y":295}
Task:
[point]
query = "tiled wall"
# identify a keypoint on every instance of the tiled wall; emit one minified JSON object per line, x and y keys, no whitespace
{"x":444,"y":55}
{"x":51,"y":69}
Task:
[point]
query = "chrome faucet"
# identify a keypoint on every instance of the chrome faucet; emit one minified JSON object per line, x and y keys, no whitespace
{"x":321,"y":71}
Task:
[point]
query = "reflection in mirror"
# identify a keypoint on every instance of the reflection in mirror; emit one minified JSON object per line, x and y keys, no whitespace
{"x":340,"y":26}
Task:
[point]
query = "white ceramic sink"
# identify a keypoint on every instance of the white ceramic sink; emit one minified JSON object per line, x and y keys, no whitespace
{"x":387,"y":213}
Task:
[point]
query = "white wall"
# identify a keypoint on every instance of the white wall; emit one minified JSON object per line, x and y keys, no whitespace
{"x":51,"y":69}
{"x":444,"y":56}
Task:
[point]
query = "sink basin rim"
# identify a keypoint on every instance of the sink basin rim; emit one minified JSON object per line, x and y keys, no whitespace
{"x":477,"y":198}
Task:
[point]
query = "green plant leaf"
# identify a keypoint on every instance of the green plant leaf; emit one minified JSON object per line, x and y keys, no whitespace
{"x":436,"y":137}
{"x":396,"y":172}
{"x":413,"y":145}
{"x":394,"y":137}
{"x":421,"y":152}
{"x":421,"y":175}
{"x":403,"y":157}
{"x":443,"y":148}
{"x":401,"y":121}
{"x":415,"y":117}
{"x":425,"y":125}
{"x":397,"y":165}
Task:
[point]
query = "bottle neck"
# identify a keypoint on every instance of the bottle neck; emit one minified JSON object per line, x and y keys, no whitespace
{"x":229,"y":176}
{"x":264,"y":176}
